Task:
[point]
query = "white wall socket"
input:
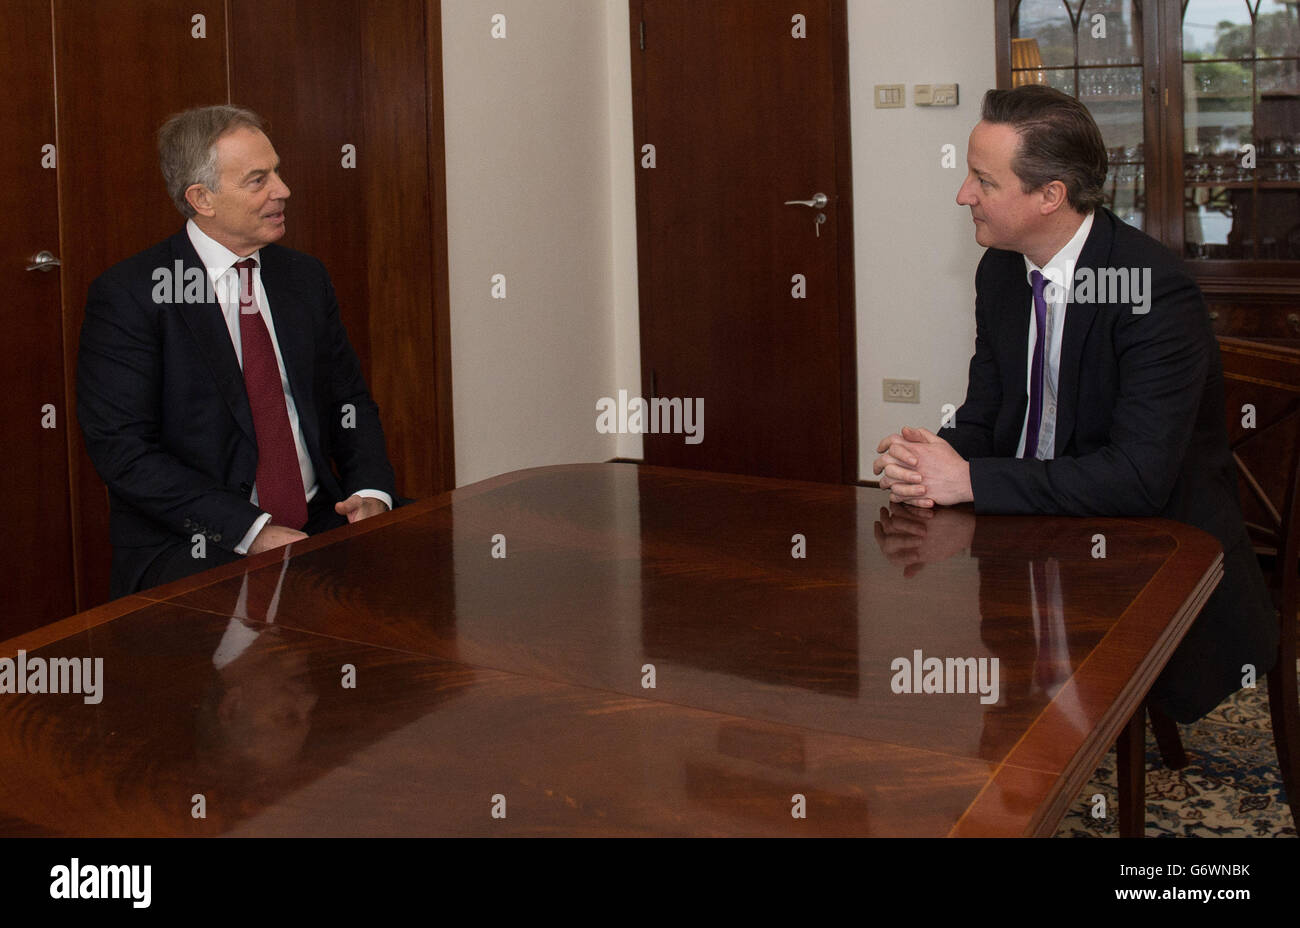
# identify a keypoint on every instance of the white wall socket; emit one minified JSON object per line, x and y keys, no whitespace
{"x":902,"y":391}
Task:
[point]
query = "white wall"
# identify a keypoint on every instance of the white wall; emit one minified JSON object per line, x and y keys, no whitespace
{"x":915,"y":249}
{"x":528,"y":196}
{"x":540,"y":187}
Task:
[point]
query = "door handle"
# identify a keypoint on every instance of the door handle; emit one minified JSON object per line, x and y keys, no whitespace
{"x":43,"y":261}
{"x":818,"y":201}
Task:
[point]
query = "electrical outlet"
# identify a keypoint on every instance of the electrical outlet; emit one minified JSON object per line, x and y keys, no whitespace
{"x":890,"y":96}
{"x":902,"y":391}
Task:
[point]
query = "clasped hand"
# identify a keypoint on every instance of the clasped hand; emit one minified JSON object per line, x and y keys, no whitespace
{"x":355,"y":508}
{"x":919,"y":468}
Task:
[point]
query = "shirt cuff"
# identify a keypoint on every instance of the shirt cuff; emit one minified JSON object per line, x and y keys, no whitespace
{"x":376,"y":494}
{"x":258,"y":525}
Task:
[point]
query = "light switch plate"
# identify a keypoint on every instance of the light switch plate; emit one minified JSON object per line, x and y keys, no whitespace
{"x":890,"y":96}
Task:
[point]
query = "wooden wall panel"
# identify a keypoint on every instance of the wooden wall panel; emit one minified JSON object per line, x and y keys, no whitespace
{"x":122,"y":67}
{"x":36,"y":544}
{"x":298,"y":64}
{"x":443,"y":472}
{"x":326,"y":73}
{"x":402,"y":278}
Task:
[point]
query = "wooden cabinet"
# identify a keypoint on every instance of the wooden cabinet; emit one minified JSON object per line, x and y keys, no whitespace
{"x":1199,"y":104}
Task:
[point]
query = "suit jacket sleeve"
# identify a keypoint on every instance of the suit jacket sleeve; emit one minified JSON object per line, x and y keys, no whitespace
{"x":972,"y":431}
{"x":356,"y":440}
{"x":119,"y":406}
{"x":1163,"y":358}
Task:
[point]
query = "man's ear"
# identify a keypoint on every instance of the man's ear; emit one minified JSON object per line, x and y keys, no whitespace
{"x":1054,"y":197}
{"x":200,"y":199}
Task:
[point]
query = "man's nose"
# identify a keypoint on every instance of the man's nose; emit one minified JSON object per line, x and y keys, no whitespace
{"x":282,"y":193}
{"x":963,"y":195}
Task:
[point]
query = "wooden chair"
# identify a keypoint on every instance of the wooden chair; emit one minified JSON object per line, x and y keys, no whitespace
{"x":1265,"y":376}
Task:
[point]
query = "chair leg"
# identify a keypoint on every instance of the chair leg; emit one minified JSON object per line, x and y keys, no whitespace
{"x":1167,"y":739}
{"x":1130,"y":771}
{"x":1284,"y":707}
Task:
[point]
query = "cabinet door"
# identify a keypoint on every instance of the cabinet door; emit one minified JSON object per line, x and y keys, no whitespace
{"x":36,"y":541}
{"x":1240,"y":142}
{"x":1101,"y":52}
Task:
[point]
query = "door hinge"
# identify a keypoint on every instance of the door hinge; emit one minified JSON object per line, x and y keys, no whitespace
{"x":643,"y":35}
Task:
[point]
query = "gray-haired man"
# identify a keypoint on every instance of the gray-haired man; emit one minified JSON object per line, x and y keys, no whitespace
{"x":216,"y":387}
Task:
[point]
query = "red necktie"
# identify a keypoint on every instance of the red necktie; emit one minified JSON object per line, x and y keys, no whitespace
{"x":279,"y":478}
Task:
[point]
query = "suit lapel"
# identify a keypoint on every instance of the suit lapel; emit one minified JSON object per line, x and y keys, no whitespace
{"x":1078,"y":320}
{"x":1015,"y":346}
{"x":293,"y":333}
{"x":207,"y":324}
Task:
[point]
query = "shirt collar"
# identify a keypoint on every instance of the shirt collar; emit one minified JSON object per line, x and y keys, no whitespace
{"x":216,"y":257}
{"x":1062,"y":264}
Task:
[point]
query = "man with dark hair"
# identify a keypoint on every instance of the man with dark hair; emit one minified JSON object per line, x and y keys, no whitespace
{"x":216,"y":387}
{"x":1095,"y":387}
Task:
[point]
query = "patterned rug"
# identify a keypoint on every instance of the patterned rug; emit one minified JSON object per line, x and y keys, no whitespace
{"x":1230,"y":787}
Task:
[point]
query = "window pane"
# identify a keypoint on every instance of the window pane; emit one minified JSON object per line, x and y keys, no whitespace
{"x":1216,"y":29}
{"x":1126,"y":192}
{"x":1277,"y":120}
{"x":1062,"y":79}
{"x":1218,"y":121}
{"x":1114,"y":97}
{"x":1278,"y":78}
{"x":1114,"y":39}
{"x":1208,"y":223}
{"x":1123,"y":84}
{"x":1048,"y":23}
{"x":1277,"y":132}
{"x":1217,"y":110}
{"x":1277,"y":29}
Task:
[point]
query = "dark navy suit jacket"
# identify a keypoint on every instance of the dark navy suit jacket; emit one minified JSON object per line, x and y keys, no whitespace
{"x":1140,"y":431}
{"x":167,"y":423}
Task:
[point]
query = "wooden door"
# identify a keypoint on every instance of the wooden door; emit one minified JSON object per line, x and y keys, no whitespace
{"x":746,"y":302}
{"x":36,"y":544}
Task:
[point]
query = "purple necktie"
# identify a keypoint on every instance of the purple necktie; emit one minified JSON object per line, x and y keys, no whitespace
{"x":1036,"y":368}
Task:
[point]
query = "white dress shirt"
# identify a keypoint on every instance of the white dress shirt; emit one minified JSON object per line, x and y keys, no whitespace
{"x":1059,"y":272}
{"x":224,"y":276}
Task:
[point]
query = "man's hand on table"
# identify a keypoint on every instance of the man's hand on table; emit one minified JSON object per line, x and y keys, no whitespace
{"x":921,"y":469}
{"x":357,"y":507}
{"x":274,"y":536}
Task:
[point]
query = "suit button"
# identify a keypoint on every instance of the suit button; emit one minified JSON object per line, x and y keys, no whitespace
{"x":188,"y":524}
{"x":217,"y":537}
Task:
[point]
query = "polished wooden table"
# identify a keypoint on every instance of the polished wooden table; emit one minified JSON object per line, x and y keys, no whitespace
{"x":400,"y":677}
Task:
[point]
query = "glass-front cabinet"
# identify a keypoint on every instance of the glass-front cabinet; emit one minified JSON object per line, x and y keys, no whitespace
{"x":1199,"y":104}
